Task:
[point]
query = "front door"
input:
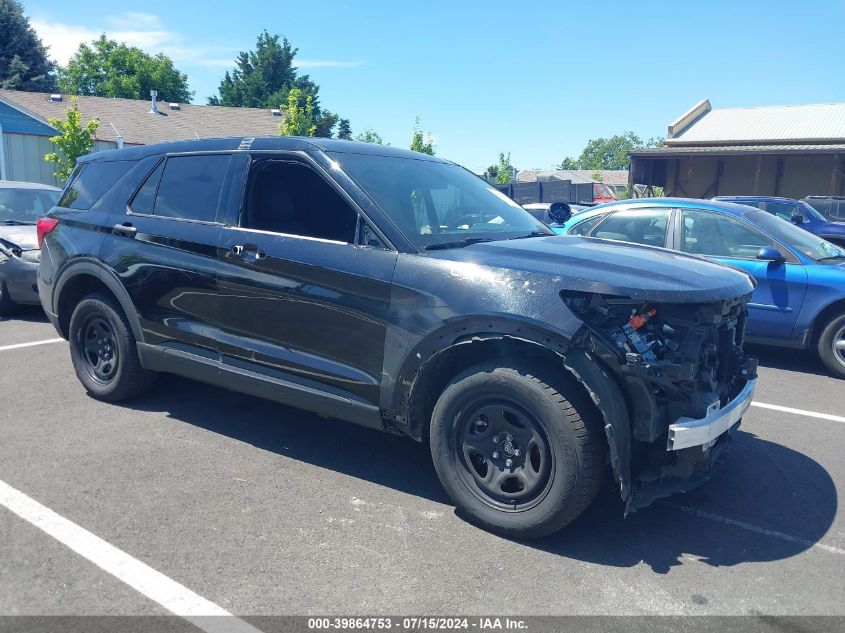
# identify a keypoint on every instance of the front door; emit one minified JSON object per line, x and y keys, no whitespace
{"x":300,"y":301}
{"x":781,"y":286}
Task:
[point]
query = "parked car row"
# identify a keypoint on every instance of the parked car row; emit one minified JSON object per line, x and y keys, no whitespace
{"x":400,"y":292}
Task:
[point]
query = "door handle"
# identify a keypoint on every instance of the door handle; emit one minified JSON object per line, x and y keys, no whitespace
{"x":125,"y":229}
{"x":247,"y":250}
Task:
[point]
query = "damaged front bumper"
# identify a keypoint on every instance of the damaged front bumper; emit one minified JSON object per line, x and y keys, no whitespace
{"x":688,"y":432}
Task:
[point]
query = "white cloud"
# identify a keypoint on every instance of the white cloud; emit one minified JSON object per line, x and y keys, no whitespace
{"x":147,"y":32}
{"x":143,"y":30}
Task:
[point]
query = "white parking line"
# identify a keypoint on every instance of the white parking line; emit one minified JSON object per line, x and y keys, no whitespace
{"x":5,"y":348}
{"x":154,"y":585}
{"x":809,"y":414}
{"x":757,"y":529}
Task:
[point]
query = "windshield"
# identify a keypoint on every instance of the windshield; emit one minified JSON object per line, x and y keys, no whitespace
{"x":438,"y":203}
{"x":797,"y":238}
{"x":25,"y":206}
{"x":810,"y":213}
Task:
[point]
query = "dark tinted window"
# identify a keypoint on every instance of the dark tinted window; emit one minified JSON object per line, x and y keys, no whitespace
{"x":190,"y":187}
{"x":144,"y":200}
{"x":582,"y":228}
{"x":290,"y":198}
{"x":91,"y":182}
{"x":706,"y":233}
{"x":641,"y":226}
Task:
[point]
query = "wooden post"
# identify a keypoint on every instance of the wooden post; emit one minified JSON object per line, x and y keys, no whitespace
{"x":755,"y":188}
{"x":834,"y":175}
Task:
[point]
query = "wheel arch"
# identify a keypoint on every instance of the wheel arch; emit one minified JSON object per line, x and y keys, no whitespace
{"x":83,"y":277}
{"x":430,"y":370}
{"x":825,"y":315}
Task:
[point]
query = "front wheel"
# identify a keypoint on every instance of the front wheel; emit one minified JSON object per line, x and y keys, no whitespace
{"x":832,"y":346}
{"x":518,"y":449}
{"x":104,"y":352}
{"x":7,"y":306}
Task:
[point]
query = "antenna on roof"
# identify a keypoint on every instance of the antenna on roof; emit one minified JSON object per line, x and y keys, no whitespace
{"x":153,"y":107}
{"x":118,"y":137}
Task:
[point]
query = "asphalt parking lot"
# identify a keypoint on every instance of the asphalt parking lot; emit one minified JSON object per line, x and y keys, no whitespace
{"x":262,"y":509}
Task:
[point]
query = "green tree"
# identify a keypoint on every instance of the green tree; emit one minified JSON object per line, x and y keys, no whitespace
{"x":73,"y":140}
{"x":502,"y":172}
{"x":421,"y":142}
{"x":609,"y":153}
{"x":369,"y":135}
{"x":298,"y":119}
{"x":108,"y":68}
{"x":264,"y":77}
{"x":24,"y":64}
{"x":344,"y":130}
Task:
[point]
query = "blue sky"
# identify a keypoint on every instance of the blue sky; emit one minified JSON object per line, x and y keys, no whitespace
{"x":537,"y":80}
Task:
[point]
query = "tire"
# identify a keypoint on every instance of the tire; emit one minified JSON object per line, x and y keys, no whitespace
{"x":7,"y":306}
{"x":104,"y":352}
{"x":832,"y":346}
{"x":557,"y":448}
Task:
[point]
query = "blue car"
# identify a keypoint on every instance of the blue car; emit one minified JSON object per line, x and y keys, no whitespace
{"x":799,"y":301}
{"x":796,"y":211}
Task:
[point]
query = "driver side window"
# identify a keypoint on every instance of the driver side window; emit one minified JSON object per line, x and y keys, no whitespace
{"x":717,"y":235}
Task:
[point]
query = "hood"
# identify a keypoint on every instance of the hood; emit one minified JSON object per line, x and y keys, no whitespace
{"x":24,"y":237}
{"x":836,"y":229}
{"x":612,"y":268}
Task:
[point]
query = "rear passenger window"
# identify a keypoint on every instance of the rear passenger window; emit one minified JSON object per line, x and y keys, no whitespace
{"x":582,"y":228}
{"x":91,"y":182}
{"x":145,"y":199}
{"x":186,"y":187}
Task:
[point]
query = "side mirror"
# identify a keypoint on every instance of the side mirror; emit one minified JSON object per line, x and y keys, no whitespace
{"x":770,"y":253}
{"x":560,"y":212}
{"x":797,"y":218}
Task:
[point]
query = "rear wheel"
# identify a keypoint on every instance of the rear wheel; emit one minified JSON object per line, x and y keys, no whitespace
{"x":519,"y":451}
{"x":832,"y":346}
{"x":7,"y":306}
{"x":104,"y":352}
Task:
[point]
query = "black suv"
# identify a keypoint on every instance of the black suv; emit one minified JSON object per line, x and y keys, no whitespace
{"x":401,"y":292}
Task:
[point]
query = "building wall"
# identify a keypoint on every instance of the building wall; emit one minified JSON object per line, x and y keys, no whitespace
{"x":789,"y":175}
{"x":24,"y":157}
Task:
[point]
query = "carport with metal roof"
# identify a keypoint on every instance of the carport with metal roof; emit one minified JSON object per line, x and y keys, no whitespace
{"x":792,"y":151}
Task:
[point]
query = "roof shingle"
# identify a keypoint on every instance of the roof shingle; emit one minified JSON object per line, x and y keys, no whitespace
{"x":132,"y":119}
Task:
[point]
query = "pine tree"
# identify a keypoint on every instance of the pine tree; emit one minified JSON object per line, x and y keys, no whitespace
{"x":24,"y":64}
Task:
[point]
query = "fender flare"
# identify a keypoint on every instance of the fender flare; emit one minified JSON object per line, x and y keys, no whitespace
{"x":94,"y":268}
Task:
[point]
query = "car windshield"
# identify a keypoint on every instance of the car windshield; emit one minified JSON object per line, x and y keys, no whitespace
{"x":797,"y":238}
{"x":438,"y":204}
{"x":810,"y":213}
{"x":25,"y":206}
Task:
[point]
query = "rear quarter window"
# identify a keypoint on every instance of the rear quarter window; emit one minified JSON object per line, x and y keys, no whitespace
{"x":91,"y":181}
{"x":184,"y":187}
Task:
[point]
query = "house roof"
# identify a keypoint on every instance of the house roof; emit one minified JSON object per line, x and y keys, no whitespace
{"x":790,"y":124}
{"x":612,"y":177}
{"x":725,"y":150}
{"x":132,"y":119}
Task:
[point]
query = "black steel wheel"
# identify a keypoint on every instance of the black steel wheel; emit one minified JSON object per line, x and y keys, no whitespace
{"x":104,"y":352}
{"x":519,"y":449}
{"x":7,"y":306}
{"x":100,"y":353}
{"x":504,"y":455}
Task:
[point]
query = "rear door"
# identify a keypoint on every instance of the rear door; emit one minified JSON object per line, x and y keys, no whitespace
{"x":163,"y":246}
{"x":648,"y":226}
{"x":781,"y":286}
{"x":301,"y":302}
